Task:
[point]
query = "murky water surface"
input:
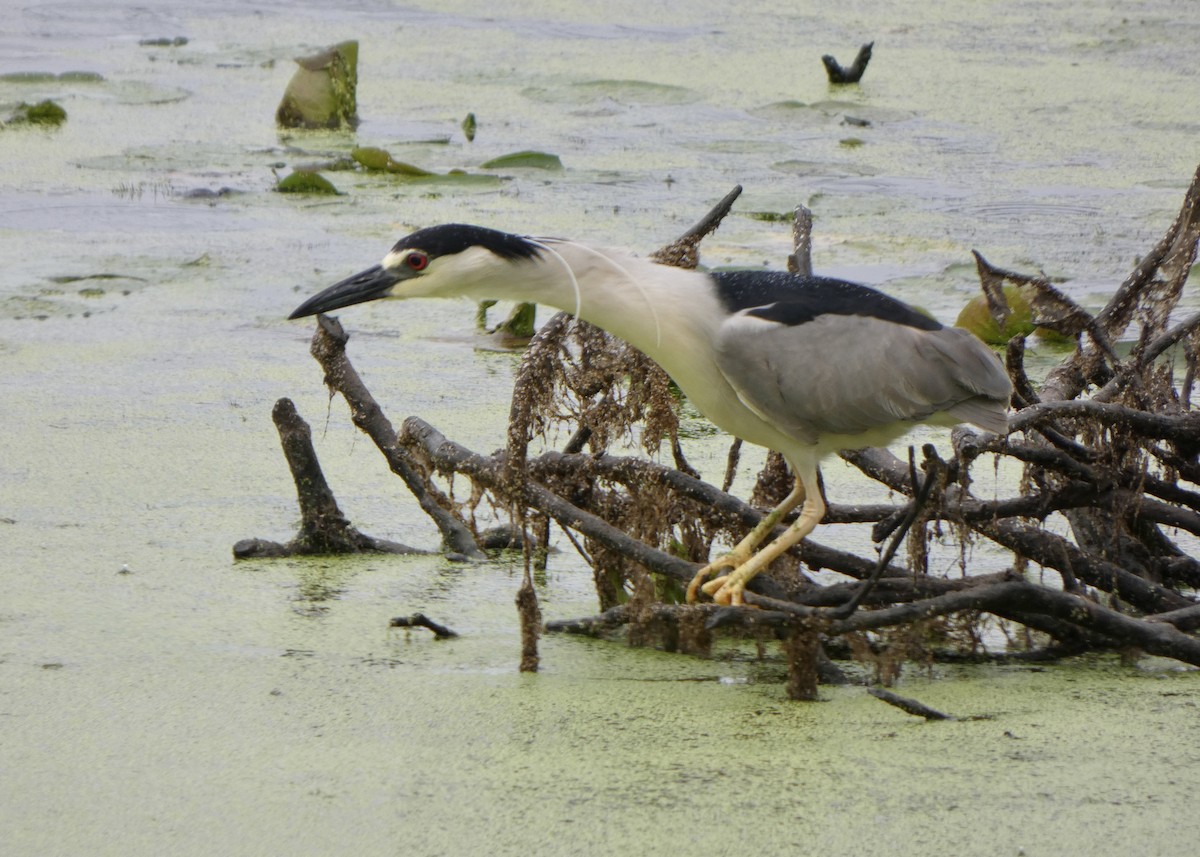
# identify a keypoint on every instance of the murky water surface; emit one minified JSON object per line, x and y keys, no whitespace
{"x":156,"y":697}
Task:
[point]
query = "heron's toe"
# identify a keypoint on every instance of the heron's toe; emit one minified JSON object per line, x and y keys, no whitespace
{"x":726,"y":591}
{"x":715,"y":585}
{"x":693,"y":590}
{"x":698,"y":585}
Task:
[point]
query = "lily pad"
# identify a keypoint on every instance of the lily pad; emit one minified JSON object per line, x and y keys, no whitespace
{"x":976,"y":317}
{"x":404,"y":169}
{"x":373,"y":158}
{"x":303,"y":181}
{"x":528,"y":159}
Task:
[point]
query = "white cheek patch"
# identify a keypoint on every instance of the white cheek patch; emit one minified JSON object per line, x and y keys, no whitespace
{"x":393,"y":260}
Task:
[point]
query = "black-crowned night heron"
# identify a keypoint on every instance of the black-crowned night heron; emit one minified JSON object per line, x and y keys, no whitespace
{"x":806,"y":366}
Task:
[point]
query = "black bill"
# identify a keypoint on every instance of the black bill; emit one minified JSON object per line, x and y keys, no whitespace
{"x":368,"y":285}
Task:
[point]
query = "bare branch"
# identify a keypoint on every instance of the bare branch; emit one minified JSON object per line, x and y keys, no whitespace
{"x":420,"y":620}
{"x":908,"y":706}
{"x":329,"y":348}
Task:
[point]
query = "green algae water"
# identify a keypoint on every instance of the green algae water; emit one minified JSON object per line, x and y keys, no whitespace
{"x":156,"y":697}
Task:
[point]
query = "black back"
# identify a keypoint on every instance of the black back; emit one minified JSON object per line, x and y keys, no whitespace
{"x":791,"y":299}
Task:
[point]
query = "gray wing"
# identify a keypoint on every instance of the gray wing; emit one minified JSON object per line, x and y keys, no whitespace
{"x":847,"y":374}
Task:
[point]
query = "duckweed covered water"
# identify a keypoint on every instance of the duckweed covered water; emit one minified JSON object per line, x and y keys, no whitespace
{"x":156,"y":697}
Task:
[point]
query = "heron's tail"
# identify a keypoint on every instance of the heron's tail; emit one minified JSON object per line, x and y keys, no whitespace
{"x":989,"y":414}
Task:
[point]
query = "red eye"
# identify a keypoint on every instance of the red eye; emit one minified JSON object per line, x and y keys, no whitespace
{"x":416,"y":261}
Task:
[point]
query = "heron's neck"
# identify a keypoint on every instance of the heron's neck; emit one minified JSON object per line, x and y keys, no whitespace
{"x":670,"y":314}
{"x":635,"y":299}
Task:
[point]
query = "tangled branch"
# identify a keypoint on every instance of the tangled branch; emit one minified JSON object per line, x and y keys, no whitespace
{"x":1108,"y":497}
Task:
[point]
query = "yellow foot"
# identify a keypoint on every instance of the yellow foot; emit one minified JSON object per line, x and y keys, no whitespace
{"x":731,"y":561}
{"x":744,"y":563}
{"x":727,"y":590}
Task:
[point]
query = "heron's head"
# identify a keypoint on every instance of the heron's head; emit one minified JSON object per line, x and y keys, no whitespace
{"x":439,"y":261}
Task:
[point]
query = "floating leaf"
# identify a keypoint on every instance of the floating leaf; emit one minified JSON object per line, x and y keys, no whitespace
{"x":468,"y":127}
{"x":977,"y":318}
{"x":304,"y":181}
{"x":371,"y":157}
{"x":528,"y":159}
{"x":401,"y":168}
{"x":380,"y":160}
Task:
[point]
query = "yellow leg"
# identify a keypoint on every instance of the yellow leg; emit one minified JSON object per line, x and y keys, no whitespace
{"x":743,"y":551}
{"x":730,"y":588}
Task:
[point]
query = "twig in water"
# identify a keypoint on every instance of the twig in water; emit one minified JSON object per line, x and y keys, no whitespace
{"x":838,"y":74}
{"x":420,"y":620}
{"x":910,"y":706}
